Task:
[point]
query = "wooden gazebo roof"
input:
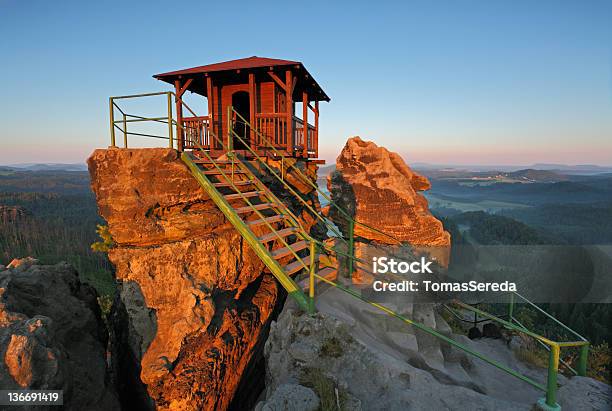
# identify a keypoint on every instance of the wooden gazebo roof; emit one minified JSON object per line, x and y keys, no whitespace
{"x":235,"y":69}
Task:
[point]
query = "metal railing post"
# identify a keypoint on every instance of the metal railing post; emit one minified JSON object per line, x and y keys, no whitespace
{"x":230,"y":110}
{"x":311,"y":271}
{"x":170,"y":136}
{"x":550,"y":402}
{"x":511,"y":308}
{"x":351,"y":247}
{"x":112,"y":121}
{"x":125,"y":131}
{"x":582,"y":360}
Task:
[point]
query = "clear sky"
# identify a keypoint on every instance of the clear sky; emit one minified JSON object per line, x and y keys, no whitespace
{"x":457,"y":82}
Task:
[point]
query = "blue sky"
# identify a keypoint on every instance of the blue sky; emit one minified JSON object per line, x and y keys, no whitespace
{"x":457,"y":82}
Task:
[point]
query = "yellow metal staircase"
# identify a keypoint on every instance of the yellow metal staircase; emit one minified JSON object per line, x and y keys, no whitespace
{"x":285,"y":247}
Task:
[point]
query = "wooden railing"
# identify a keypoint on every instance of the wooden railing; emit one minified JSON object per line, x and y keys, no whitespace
{"x":274,"y":127}
{"x":195,"y":132}
{"x":270,"y":130}
{"x":298,"y":127}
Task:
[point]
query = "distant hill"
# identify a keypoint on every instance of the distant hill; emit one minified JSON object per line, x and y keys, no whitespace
{"x":574,"y":169}
{"x":47,"y":167}
{"x":48,"y":181}
{"x":528,"y":175}
{"x":587,"y":169}
{"x":324,"y":171}
{"x":594,"y":190}
{"x":525,"y":175}
{"x":541,"y":176}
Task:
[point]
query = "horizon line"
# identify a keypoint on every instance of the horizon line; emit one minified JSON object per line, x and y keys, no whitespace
{"x":413,"y":164}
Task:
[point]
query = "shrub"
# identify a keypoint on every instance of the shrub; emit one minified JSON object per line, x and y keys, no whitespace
{"x":332,"y":398}
{"x":331,"y":347}
{"x":598,"y":365}
{"x":105,"y":302}
{"x":107,"y":240}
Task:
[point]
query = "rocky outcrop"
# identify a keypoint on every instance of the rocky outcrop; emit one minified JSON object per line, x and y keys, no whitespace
{"x":22,"y":263}
{"x":52,"y":335}
{"x":323,"y":353}
{"x":582,"y":393}
{"x":379,"y":190}
{"x":11,"y":214}
{"x":194,"y":304}
{"x":356,"y":359}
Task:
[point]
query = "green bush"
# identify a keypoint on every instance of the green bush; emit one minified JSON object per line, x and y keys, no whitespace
{"x":598,"y":365}
{"x":107,"y":240}
{"x":331,"y":347}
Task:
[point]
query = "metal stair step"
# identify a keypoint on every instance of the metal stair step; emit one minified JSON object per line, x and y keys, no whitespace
{"x":329,"y":273}
{"x":217,"y":172}
{"x":295,"y":266}
{"x":276,"y":234}
{"x":247,"y":209}
{"x":247,"y":194}
{"x":270,"y":220}
{"x":236,"y":183}
{"x":285,"y":251}
{"x":208,"y":162}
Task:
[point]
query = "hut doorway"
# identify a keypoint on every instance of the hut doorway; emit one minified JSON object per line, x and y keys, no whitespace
{"x":242,"y":104}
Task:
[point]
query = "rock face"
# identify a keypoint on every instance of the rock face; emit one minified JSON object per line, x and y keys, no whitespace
{"x":355,"y":359}
{"x":52,"y":336}
{"x":22,"y":263}
{"x":361,"y":374}
{"x":11,"y":214}
{"x":380,"y":190}
{"x":593,"y":395}
{"x":194,"y":304}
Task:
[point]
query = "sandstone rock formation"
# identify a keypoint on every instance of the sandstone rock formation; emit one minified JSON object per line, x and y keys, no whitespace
{"x":379,"y":190}
{"x":11,"y":214}
{"x":52,"y":336}
{"x":22,"y":263}
{"x":194,"y":304}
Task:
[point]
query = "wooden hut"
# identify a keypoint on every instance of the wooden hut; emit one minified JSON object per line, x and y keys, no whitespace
{"x":262,"y":91}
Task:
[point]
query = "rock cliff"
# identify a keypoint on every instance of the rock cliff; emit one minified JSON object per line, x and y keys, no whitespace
{"x":354,"y":359}
{"x":379,"y":190}
{"x":52,"y":335}
{"x":194,"y":304}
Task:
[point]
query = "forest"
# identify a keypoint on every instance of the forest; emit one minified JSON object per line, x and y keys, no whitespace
{"x":571,"y":223}
{"x":592,"y":320}
{"x":51,"y":215}
{"x":55,"y":221}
